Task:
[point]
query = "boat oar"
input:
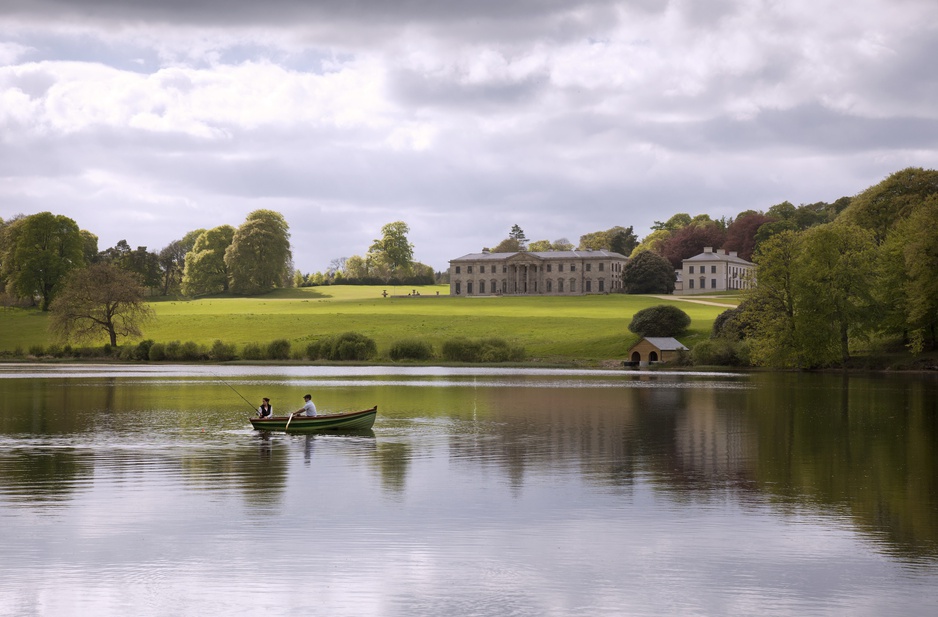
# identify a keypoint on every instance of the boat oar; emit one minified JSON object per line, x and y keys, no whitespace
{"x":288,"y":423}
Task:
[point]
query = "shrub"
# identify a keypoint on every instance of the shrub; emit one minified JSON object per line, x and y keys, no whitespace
{"x":173,"y":351}
{"x":36,"y":350}
{"x":279,"y":349}
{"x":354,"y":346}
{"x":461,"y":350}
{"x":252,"y":351}
{"x":157,"y":352}
{"x":222,"y":352}
{"x":483,"y":350}
{"x":720,"y":352}
{"x":142,"y":350}
{"x":348,"y":346}
{"x":661,"y":320}
{"x":411,"y":349}
{"x":190,"y":350}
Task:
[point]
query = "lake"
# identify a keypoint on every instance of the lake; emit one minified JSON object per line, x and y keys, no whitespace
{"x":142,"y":490}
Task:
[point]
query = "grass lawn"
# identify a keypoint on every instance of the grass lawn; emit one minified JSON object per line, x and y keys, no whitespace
{"x":551,"y":328}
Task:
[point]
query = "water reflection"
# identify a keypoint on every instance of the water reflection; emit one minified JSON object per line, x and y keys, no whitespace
{"x":569,"y":471}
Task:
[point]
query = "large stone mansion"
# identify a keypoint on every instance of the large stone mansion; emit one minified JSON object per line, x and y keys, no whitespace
{"x":540,"y":273}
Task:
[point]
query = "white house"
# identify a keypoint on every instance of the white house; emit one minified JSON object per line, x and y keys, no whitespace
{"x":713,"y":271}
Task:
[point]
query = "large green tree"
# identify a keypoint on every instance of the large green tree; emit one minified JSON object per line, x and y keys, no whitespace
{"x":101,"y":299}
{"x":39,"y":251}
{"x":648,"y":273}
{"x":259,"y":257}
{"x":814,"y":296}
{"x":617,"y":239}
{"x":172,"y":260}
{"x":881,"y":206}
{"x":835,"y":276}
{"x":392,"y":253}
{"x":775,"y":336}
{"x":908,"y":285}
{"x":205,"y":270}
{"x":141,"y":261}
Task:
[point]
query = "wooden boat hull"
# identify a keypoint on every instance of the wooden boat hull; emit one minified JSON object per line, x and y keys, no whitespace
{"x":352,"y":421}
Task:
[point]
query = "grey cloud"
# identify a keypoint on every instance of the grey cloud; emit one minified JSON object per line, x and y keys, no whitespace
{"x":480,"y":18}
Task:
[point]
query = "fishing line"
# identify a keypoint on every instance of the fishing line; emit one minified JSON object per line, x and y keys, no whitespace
{"x":235,"y":391}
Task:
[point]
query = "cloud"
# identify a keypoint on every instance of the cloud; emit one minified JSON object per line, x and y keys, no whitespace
{"x":144,"y":120}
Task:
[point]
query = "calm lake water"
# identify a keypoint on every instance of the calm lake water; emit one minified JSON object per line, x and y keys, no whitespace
{"x":144,"y":491}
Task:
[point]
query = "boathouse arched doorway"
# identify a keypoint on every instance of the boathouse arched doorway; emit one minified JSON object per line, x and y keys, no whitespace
{"x":636,"y":357}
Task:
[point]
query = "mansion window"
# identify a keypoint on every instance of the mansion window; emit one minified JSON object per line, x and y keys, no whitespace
{"x":713,"y":283}
{"x":690,"y":283}
{"x":691,"y":269}
{"x":549,"y":286}
{"x":457,"y":271}
{"x":602,"y":286}
{"x":713,"y":269}
{"x":469,"y":270}
{"x":559,"y":285}
{"x":589,"y":283}
{"x":548,"y":267}
{"x":469,"y":286}
{"x":572,"y":267}
{"x":457,"y":288}
{"x":589,"y":267}
{"x":482,"y":286}
{"x":560,"y":268}
{"x":572,"y":285}
{"x":601,"y":264}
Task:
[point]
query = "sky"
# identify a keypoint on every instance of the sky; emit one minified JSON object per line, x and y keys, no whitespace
{"x":145,"y":120}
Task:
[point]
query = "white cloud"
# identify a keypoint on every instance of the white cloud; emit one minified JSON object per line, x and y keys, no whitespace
{"x":464,"y":118}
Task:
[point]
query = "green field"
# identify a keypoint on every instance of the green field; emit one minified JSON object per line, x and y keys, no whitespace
{"x":588,"y":329}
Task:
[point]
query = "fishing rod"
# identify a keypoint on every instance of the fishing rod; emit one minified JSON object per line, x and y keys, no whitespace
{"x":235,"y":391}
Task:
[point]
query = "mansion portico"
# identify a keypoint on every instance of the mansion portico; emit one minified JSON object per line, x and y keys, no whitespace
{"x":542,"y":273}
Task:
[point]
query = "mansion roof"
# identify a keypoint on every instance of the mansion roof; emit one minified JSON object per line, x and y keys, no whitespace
{"x":540,"y":256}
{"x":717,"y":255}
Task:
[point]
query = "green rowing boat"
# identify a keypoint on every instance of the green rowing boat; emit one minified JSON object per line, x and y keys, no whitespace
{"x":352,"y":421}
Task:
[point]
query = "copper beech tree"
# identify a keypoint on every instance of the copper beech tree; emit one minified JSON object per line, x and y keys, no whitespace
{"x":100,"y":299}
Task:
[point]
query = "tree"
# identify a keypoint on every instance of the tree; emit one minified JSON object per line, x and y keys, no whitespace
{"x":356,"y":267}
{"x":835,"y":272}
{"x":517,"y":233}
{"x":691,"y":240}
{"x":741,"y":233}
{"x":648,"y":273}
{"x":100,"y":299}
{"x":880,"y":207}
{"x":660,"y":320}
{"x":539,"y":246}
{"x":618,"y":239}
{"x":392,"y":250}
{"x":40,"y":250}
{"x":259,"y":257}
{"x":907,"y":285}
{"x":770,"y":305}
{"x":205,"y":270}
{"x":561,"y":244}
{"x":141,"y":261}
{"x":678,"y":221}
{"x":622,"y":241}
{"x":652,"y":242}
{"x":508,"y":245}
{"x":172,"y":260}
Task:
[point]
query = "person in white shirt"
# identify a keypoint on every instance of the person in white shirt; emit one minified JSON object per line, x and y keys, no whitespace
{"x":308,"y":409}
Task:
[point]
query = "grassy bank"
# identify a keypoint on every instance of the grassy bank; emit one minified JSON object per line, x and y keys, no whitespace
{"x":551,"y":329}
